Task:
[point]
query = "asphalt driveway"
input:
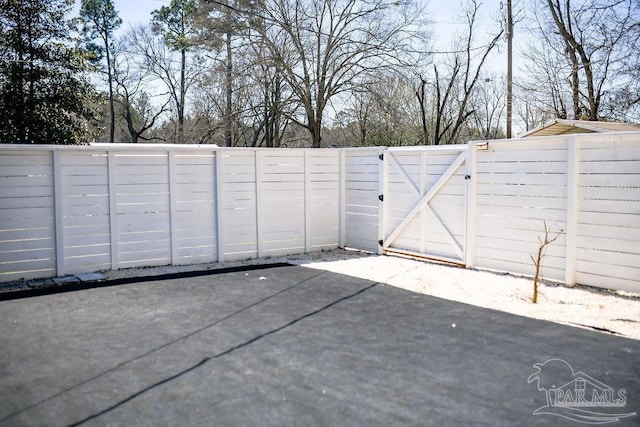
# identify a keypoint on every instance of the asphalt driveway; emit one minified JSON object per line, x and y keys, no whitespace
{"x":285,"y":345}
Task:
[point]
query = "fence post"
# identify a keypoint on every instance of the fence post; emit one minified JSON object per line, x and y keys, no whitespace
{"x":383,"y":186}
{"x":259,"y":192}
{"x":471,"y":205}
{"x":423,"y":212}
{"x":342,"y":201}
{"x":58,"y":203}
{"x":573,"y":176}
{"x":219,"y":202}
{"x":173,"y":207}
{"x":113,"y":214}
{"x":307,"y":200}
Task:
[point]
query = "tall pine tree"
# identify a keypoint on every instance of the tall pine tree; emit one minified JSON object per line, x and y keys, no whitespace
{"x":100,"y":21}
{"x":44,"y":96}
{"x":175,"y":24}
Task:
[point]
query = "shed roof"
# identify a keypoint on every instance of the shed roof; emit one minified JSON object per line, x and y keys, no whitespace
{"x":563,"y":127}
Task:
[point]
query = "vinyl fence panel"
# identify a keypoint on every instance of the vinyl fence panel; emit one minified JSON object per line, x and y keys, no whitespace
{"x":86,"y":211}
{"x":608,"y":212}
{"x":27,"y":215}
{"x":193,"y":207}
{"x":586,"y":185}
{"x":520,"y":187}
{"x":362,"y":206}
{"x":239,"y":203}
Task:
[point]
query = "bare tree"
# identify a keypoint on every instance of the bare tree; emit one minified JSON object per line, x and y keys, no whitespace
{"x":356,"y":119}
{"x":454,"y":81}
{"x":138,"y":108}
{"x":537,"y":260}
{"x":218,"y":23}
{"x":589,"y":44}
{"x":378,"y":114}
{"x":100,"y":21}
{"x":489,"y":106}
{"x":543,"y":85}
{"x":166,"y":67}
{"x":392,"y":120}
{"x":273,"y":106}
{"x":331,"y":45}
{"x":175,"y":23}
{"x":530,"y":110}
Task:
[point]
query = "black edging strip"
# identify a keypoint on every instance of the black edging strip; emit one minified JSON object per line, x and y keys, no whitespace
{"x":79,"y":286}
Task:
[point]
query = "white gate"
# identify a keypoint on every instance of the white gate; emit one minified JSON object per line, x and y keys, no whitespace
{"x":424,"y":202}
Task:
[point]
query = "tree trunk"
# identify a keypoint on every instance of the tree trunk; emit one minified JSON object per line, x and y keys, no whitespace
{"x":575,"y":84}
{"x":183,"y":91}
{"x":268,"y":137}
{"x":316,"y":137}
{"x":439,"y":110}
{"x":421,"y":94}
{"x":228,"y":111}
{"x":112,"y":111}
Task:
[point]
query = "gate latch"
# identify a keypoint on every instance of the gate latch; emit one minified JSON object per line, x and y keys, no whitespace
{"x":381,"y":197}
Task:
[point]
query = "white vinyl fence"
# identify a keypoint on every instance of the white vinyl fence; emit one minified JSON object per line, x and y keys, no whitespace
{"x":586,"y":185}
{"x":70,"y":210}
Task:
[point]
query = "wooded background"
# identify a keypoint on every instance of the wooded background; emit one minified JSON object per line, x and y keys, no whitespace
{"x":303,"y":73}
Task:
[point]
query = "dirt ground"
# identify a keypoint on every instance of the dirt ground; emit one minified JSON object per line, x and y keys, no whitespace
{"x":615,"y":312}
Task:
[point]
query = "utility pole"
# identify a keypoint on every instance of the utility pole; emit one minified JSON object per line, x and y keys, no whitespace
{"x":509,"y":67}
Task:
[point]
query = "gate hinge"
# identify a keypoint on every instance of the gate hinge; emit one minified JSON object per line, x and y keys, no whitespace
{"x":380,"y":242}
{"x":381,"y":197}
{"x":467,"y":177}
{"x":381,"y":156}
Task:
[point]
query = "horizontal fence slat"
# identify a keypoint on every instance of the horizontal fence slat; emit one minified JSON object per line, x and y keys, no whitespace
{"x":606,"y":281}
